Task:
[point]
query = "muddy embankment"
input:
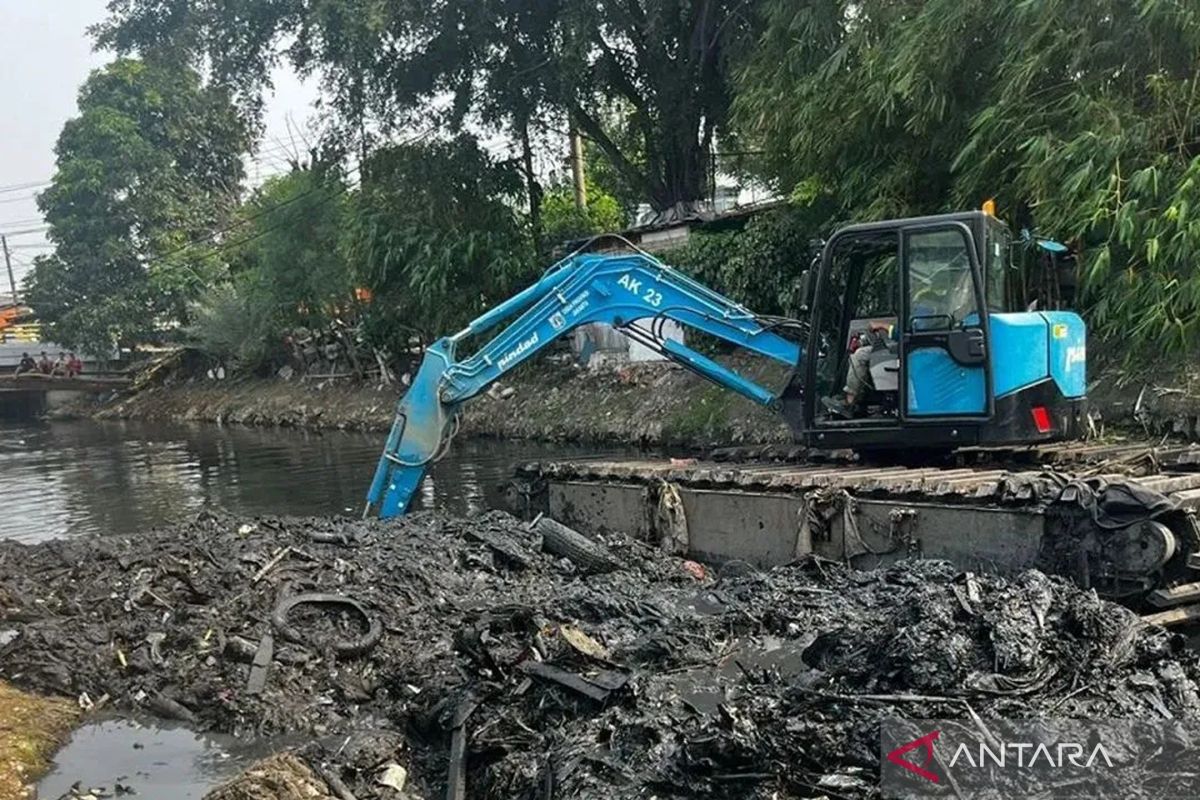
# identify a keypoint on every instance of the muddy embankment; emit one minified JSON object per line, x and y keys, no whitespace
{"x":551,"y":400}
{"x":412,"y":656}
{"x":648,"y":404}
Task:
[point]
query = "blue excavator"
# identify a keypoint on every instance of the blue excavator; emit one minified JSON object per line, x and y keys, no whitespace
{"x":909,"y":346}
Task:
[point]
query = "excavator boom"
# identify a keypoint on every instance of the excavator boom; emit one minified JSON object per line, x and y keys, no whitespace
{"x":631,"y":292}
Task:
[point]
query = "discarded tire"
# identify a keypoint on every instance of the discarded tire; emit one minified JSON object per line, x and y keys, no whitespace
{"x":574,"y":546}
{"x":345,"y":648}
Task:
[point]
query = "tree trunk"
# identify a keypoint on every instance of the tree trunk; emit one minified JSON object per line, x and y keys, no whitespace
{"x":532,"y":186}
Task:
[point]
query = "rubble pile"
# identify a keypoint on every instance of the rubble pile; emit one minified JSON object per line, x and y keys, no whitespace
{"x":433,"y":655}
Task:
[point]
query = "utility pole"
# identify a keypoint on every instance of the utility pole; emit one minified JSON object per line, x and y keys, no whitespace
{"x":577,"y":166}
{"x":12,"y":282}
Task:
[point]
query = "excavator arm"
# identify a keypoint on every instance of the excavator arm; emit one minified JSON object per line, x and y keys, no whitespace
{"x":631,"y":292}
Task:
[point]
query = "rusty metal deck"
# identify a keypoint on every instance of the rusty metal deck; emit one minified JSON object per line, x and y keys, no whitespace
{"x":994,"y":511}
{"x":1174,"y":472}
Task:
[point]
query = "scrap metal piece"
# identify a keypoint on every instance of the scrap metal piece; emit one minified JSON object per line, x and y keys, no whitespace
{"x":456,"y":773}
{"x":261,"y":665}
{"x":598,"y":688}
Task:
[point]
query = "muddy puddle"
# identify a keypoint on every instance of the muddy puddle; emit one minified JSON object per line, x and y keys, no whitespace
{"x":115,"y":756}
{"x":748,"y":663}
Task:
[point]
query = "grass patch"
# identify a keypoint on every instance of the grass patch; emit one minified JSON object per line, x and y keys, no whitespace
{"x":31,"y":730}
{"x":706,"y":416}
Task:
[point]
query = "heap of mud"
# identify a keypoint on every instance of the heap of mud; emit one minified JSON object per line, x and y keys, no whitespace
{"x":455,"y":657}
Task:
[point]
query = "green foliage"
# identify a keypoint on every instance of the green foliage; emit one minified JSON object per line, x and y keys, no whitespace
{"x":292,"y":234}
{"x":1078,"y":116}
{"x":759,"y":265}
{"x":288,"y":270}
{"x":562,"y":221}
{"x":618,"y":119}
{"x":433,"y":234}
{"x":506,"y":62}
{"x":705,"y":417}
{"x":152,"y":163}
{"x":235,"y":322}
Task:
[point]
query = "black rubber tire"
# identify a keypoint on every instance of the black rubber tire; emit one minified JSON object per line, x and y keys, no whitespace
{"x":580,"y":550}
{"x":346,"y":649}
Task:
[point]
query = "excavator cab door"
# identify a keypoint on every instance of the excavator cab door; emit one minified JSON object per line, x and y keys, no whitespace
{"x":855,"y":359}
{"x":945,"y":362}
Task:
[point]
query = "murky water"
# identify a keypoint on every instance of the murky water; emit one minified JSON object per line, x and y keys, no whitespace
{"x":80,"y":478}
{"x":125,"y":757}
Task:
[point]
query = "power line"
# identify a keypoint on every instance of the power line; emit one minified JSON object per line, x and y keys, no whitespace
{"x":270,"y":155}
{"x":243,"y":221}
{"x":18,"y":187}
{"x":23,"y":199}
{"x":267,"y":211}
{"x":226,"y":246}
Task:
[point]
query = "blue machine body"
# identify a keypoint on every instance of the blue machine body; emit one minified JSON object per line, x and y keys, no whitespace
{"x":1039,"y":346}
{"x":1001,"y":378}
{"x":1026,"y":349}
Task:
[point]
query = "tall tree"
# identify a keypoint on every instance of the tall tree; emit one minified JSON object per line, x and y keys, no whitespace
{"x":1079,"y":116}
{"x":151,"y":164}
{"x":432,"y":232}
{"x":508,"y":61}
{"x":293,"y":226}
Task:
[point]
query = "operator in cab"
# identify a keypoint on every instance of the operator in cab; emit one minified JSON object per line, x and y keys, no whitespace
{"x":875,"y":338}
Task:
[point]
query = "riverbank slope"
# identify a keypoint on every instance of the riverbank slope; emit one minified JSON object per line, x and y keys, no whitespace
{"x":645,"y":404}
{"x":649,"y":404}
{"x":31,"y":729}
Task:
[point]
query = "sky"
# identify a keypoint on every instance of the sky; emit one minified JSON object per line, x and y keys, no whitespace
{"x":47,"y":55}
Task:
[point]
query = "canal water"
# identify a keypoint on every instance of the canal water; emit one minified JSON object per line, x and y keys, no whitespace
{"x":60,"y":478}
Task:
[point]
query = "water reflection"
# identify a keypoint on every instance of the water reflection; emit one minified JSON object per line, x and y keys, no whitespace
{"x":152,"y":760}
{"x":78,"y":478}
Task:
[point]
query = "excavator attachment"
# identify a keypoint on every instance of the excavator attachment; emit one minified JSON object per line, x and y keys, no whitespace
{"x":630,"y":292}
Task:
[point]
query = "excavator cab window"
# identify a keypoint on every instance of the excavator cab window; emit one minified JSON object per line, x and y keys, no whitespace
{"x":997,"y":267}
{"x":945,"y":330}
{"x":941,"y":291}
{"x":857,"y":365}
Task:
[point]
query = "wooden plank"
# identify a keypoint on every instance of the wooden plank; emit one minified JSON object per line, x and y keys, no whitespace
{"x":1174,"y":616}
{"x":262,"y":665}
{"x":1188,"y":499}
{"x":1184,"y":593}
{"x":1166,"y":484}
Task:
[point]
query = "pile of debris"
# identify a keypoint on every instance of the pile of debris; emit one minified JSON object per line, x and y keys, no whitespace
{"x":433,"y":656}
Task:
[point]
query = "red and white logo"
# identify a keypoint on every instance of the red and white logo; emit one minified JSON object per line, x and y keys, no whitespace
{"x":925,"y":742}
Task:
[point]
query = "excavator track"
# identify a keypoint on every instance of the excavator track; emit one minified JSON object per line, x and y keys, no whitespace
{"x":1119,"y":517}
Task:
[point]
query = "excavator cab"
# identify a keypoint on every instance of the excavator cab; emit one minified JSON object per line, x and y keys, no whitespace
{"x":913,"y":345}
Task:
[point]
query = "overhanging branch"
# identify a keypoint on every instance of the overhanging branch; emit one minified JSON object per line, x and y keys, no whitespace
{"x":627,"y":168}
